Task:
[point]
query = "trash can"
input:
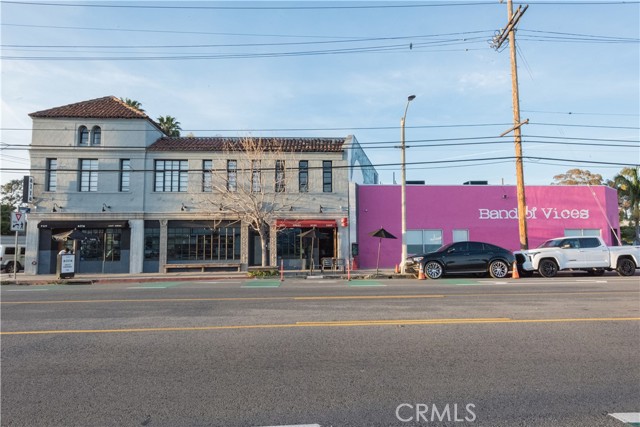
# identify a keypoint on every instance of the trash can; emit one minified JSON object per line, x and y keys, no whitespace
{"x":65,"y":266}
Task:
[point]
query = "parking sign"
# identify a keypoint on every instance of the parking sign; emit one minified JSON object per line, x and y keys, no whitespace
{"x":18,"y":221}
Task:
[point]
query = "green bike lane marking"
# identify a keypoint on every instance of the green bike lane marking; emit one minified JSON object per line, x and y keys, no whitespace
{"x":364,"y":283}
{"x":262,"y":284}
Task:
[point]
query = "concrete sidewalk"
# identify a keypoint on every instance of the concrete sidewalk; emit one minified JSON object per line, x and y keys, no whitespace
{"x":82,"y":278}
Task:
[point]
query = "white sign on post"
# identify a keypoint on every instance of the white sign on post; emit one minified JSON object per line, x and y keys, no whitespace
{"x":18,"y":221}
{"x":67,"y":264}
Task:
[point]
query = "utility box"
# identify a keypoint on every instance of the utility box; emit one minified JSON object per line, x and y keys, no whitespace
{"x":65,"y":267}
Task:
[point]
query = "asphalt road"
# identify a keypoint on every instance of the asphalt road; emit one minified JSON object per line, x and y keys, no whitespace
{"x":529,"y":352}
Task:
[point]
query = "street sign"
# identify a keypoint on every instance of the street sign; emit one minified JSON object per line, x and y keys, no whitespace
{"x":27,"y":189}
{"x":18,"y":221}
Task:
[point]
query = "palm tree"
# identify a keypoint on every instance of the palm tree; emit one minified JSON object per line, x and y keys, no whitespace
{"x":133,"y":104}
{"x":169,"y":125}
{"x":627,"y":182}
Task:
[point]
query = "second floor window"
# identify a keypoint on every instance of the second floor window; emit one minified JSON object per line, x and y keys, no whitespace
{"x":280,"y":178}
{"x":88,"y":175}
{"x":232,"y":175}
{"x":256,"y":186}
{"x":96,"y":135}
{"x":327,"y":176}
{"x":171,"y":175}
{"x":125,"y":174}
{"x":83,"y":135}
{"x":303,"y":176}
{"x":207,"y":165}
{"x":52,"y":175}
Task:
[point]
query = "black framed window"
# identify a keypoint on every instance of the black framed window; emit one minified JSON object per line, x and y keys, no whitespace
{"x":232,"y":175}
{"x":96,"y":135}
{"x":125,"y":174}
{"x":83,"y":135}
{"x":256,"y":176}
{"x":207,"y":166}
{"x":280,"y":177}
{"x":171,"y":175}
{"x":327,"y":176}
{"x":88,"y":175}
{"x":303,"y":176}
{"x":52,"y":175}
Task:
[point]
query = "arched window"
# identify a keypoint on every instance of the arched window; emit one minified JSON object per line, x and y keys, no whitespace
{"x":83,"y":135}
{"x":96,"y":135}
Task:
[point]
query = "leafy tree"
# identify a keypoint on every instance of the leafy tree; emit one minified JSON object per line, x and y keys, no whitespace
{"x":627,"y":182}
{"x":578,"y":177}
{"x":133,"y":104}
{"x":5,"y":219}
{"x":12,"y":194}
{"x":10,"y":201}
{"x":169,"y":125}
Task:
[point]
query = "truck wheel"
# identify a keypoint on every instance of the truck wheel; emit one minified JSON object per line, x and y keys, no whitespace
{"x":548,"y":268}
{"x":626,"y":267}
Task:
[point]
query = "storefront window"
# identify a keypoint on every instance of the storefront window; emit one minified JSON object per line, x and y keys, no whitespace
{"x":151,"y":243}
{"x":203,"y":244}
{"x":423,"y":241}
{"x":101,"y":245}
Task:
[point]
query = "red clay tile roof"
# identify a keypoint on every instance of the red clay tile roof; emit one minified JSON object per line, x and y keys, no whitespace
{"x":108,"y":107}
{"x":324,"y":145}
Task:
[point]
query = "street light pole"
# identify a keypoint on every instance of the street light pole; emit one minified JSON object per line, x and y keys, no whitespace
{"x":404,"y":186}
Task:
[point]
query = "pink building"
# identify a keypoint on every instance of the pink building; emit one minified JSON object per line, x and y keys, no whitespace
{"x":438,"y":215}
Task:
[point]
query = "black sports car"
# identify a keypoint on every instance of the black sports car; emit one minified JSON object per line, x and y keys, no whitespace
{"x":463,"y":258}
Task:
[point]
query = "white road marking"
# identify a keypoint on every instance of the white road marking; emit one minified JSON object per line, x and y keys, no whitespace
{"x":627,"y":417}
{"x":591,"y":281}
{"x":147,"y":287}
{"x":298,"y":425}
{"x":25,"y":290}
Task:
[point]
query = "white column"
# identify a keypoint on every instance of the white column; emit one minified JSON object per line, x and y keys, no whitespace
{"x":32,"y":247}
{"x":136,"y":248}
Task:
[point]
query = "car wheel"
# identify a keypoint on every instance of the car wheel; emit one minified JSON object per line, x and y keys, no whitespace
{"x":548,"y":268}
{"x":433,"y":270}
{"x":9,"y":268}
{"x":498,"y":269}
{"x":626,"y":267}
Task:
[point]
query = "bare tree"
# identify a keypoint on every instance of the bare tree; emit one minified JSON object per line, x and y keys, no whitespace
{"x":253,"y":181}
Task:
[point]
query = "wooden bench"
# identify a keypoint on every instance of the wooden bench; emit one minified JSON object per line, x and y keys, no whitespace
{"x":203,"y":266}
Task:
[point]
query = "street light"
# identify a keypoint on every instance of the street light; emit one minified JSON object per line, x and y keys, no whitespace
{"x":404,"y":187}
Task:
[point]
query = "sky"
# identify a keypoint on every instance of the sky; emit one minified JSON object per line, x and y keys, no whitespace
{"x":303,"y":68}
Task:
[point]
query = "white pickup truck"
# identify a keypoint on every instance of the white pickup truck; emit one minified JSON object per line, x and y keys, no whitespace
{"x":578,"y":253}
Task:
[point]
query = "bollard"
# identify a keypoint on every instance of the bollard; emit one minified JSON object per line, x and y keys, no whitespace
{"x":348,"y":270}
{"x":397,"y":269}
{"x":282,"y":270}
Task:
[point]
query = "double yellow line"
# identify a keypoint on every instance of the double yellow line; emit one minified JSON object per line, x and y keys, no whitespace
{"x":334,"y":323}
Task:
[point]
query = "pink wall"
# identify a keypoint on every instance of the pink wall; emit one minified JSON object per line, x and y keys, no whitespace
{"x":488,"y":212}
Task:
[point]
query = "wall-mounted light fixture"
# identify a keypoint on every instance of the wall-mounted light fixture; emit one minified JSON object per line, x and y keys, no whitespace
{"x":321,"y":209}
{"x":183,"y":208}
{"x":105,"y":207}
{"x":56,"y":207}
{"x":221,"y":208}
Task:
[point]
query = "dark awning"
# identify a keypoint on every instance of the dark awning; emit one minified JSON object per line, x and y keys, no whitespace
{"x":306,"y":223}
{"x":82,"y":224}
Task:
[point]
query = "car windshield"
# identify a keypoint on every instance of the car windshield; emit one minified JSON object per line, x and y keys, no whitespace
{"x":444,"y":247}
{"x":551,"y":243}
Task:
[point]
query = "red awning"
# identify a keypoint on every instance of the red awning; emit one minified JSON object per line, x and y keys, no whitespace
{"x":306,"y":223}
